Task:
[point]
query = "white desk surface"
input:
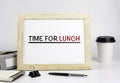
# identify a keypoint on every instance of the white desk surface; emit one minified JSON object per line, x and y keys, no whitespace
{"x":99,"y":74}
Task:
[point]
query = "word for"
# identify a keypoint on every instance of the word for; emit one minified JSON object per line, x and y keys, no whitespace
{"x":50,"y":38}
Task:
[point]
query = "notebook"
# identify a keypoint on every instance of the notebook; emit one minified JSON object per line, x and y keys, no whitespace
{"x":10,"y":75}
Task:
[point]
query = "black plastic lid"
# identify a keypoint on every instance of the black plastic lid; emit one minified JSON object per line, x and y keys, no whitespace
{"x":105,"y":39}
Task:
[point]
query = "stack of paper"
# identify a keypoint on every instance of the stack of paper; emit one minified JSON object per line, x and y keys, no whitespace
{"x":8,"y":60}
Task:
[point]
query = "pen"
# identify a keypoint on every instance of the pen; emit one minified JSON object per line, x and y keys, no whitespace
{"x":67,"y":74}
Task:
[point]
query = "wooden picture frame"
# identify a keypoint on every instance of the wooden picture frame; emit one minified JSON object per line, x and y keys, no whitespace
{"x":53,"y":42}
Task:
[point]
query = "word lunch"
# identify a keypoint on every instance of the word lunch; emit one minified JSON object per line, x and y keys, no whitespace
{"x":54,"y":39}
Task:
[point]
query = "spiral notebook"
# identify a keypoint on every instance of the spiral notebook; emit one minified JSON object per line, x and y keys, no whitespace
{"x":10,"y":75}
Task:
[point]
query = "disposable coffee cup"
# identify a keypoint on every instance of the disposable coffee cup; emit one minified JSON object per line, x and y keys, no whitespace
{"x":105,"y":48}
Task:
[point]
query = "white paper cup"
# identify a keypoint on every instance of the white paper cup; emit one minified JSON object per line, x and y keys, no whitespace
{"x":105,"y":49}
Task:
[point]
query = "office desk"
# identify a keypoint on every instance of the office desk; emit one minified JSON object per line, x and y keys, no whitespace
{"x":99,"y":74}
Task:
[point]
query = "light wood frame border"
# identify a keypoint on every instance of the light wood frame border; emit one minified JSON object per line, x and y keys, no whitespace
{"x":21,"y":66}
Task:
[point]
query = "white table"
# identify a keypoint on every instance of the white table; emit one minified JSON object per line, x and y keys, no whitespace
{"x":99,"y":74}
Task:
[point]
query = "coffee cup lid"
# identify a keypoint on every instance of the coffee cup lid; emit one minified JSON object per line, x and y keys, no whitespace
{"x":105,"y":39}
